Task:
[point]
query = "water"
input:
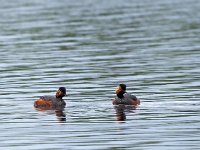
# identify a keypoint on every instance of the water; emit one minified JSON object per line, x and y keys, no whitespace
{"x":90,"y":47}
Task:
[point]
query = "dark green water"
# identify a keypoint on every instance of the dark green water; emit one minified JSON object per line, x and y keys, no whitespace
{"x":90,"y":47}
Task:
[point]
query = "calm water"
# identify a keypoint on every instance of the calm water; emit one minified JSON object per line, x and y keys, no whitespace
{"x":90,"y":47}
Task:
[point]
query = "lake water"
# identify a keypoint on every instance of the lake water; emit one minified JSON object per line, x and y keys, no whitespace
{"x":90,"y":47}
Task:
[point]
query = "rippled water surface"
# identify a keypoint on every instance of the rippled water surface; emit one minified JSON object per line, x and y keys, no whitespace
{"x":90,"y":47}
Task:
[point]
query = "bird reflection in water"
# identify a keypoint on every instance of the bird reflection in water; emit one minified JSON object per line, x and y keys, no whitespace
{"x":59,"y":112}
{"x":121,"y":111}
{"x":60,"y":115}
